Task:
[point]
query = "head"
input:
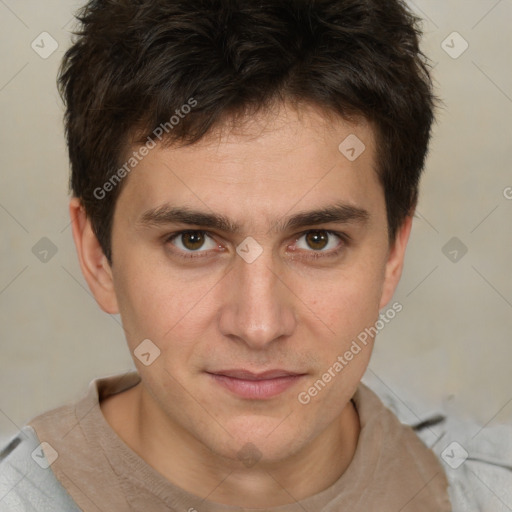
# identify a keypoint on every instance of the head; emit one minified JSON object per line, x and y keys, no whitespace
{"x":244,"y":176}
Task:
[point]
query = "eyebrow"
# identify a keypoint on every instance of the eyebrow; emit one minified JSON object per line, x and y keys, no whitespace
{"x":168,"y":214}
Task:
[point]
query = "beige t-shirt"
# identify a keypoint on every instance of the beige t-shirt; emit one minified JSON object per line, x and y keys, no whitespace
{"x":392,"y":470}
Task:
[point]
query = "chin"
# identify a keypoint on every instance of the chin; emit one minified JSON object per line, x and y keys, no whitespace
{"x":260,"y":439}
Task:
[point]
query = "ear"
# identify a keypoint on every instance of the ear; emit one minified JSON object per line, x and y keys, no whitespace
{"x":93,"y":262}
{"x":395,"y":262}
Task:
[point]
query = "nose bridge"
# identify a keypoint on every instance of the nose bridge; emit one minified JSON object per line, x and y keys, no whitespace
{"x":258,"y":309}
{"x":259,"y":282}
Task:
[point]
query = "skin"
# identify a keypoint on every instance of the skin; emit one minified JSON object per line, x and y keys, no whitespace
{"x":292,"y":308}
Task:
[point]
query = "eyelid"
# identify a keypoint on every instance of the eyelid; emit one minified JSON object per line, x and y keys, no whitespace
{"x":343,"y":237}
{"x":171,"y":237}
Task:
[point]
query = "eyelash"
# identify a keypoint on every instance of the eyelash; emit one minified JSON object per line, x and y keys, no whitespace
{"x":344,"y":241}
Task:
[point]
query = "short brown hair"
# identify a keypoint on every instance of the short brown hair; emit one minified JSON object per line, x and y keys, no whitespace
{"x":134,"y":63}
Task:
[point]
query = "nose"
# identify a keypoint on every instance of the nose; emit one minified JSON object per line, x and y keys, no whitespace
{"x":258,"y":307}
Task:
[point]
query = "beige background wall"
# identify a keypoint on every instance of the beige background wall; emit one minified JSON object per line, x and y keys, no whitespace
{"x":451,"y":343}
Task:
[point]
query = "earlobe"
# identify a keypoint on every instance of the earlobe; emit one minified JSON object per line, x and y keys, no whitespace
{"x":93,"y":262}
{"x":395,"y":262}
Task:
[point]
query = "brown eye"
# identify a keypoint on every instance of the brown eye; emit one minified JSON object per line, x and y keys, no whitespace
{"x":317,"y":240}
{"x":320,"y":242}
{"x":192,"y":240}
{"x":194,"y":244}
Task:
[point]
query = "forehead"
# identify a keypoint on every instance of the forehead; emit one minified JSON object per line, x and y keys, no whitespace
{"x":271,"y":164}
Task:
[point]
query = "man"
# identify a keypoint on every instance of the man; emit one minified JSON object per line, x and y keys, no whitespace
{"x":244,"y":176}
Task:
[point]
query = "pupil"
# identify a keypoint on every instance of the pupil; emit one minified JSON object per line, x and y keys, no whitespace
{"x":193,"y":241}
{"x":317,"y":239}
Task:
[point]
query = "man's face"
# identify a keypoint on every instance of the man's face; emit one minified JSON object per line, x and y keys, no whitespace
{"x":291,"y":300}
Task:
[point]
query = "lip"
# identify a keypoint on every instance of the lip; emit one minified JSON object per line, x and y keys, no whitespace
{"x":256,"y":386}
{"x":248,"y":375}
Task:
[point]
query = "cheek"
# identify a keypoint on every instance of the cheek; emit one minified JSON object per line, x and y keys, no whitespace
{"x":147,"y":301}
{"x":348,"y":302}
{"x":350,"y":309}
{"x":159,"y":303}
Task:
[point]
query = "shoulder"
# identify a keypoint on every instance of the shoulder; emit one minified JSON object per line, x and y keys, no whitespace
{"x":400,"y":461}
{"x":477,"y":459}
{"x":478,"y":464}
{"x":38,"y":467}
{"x":27,"y":482}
